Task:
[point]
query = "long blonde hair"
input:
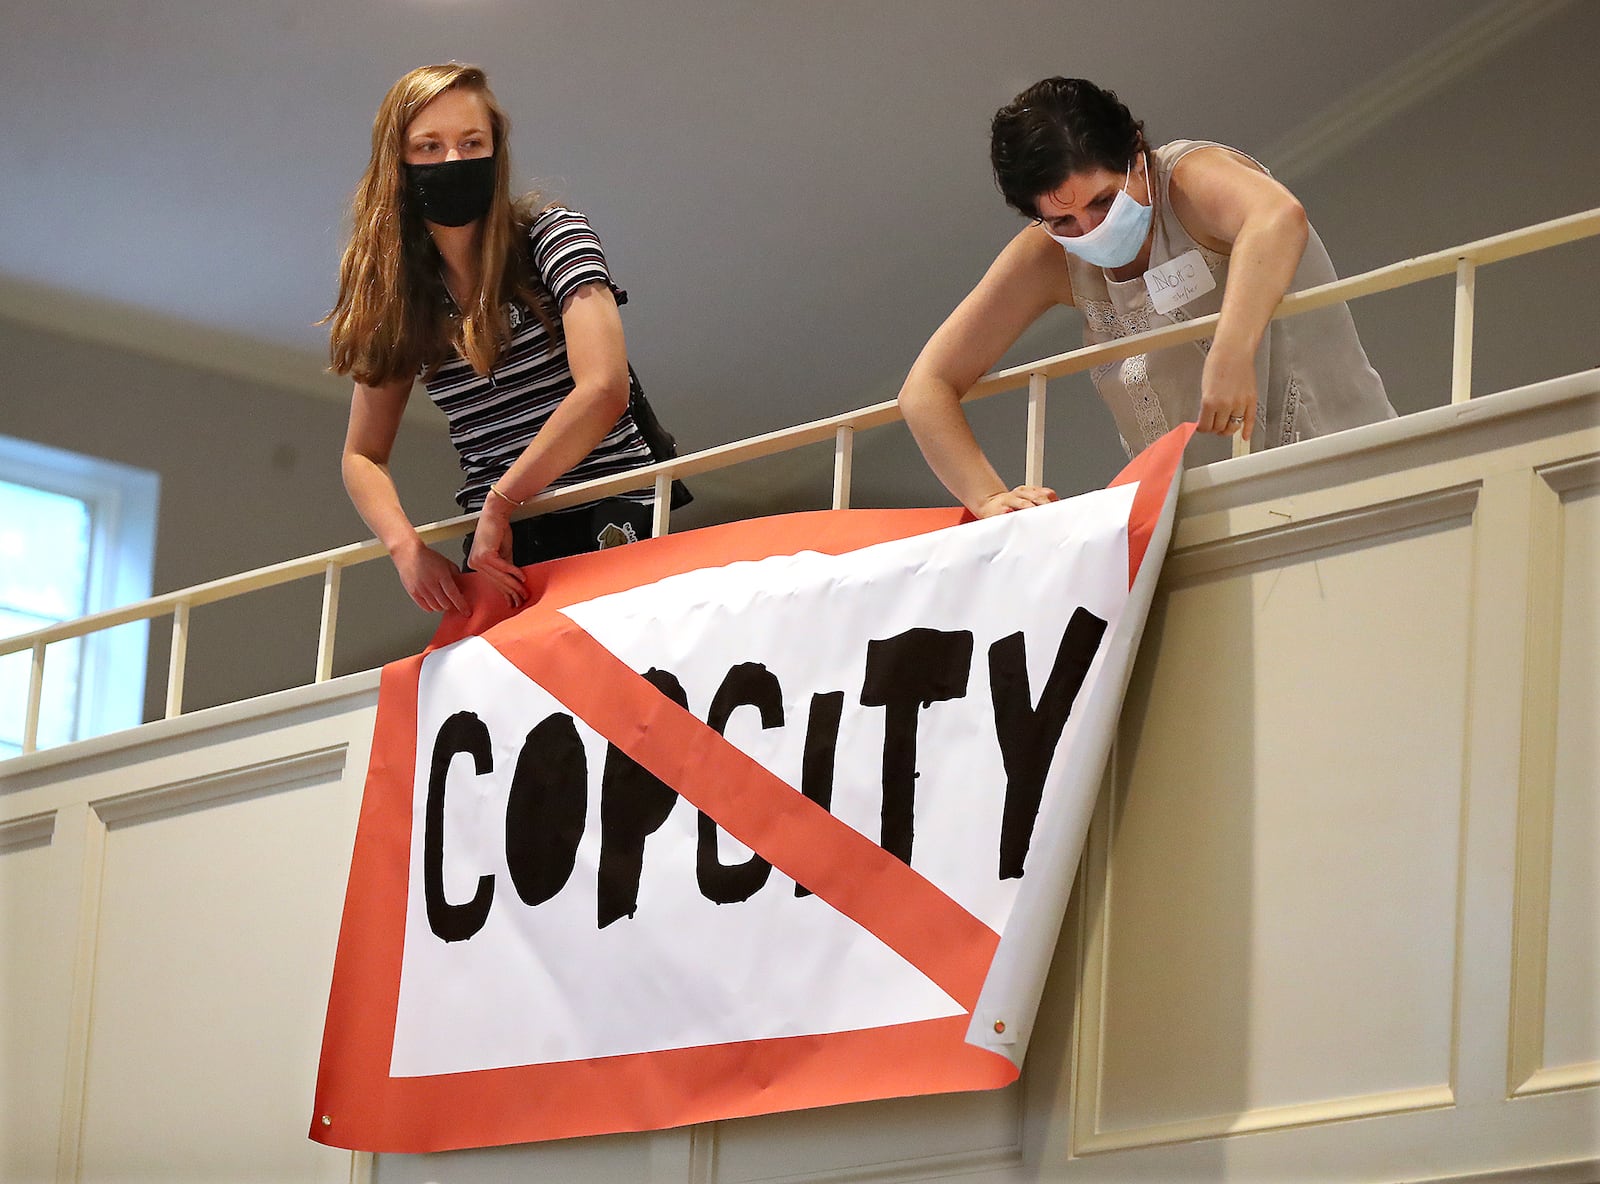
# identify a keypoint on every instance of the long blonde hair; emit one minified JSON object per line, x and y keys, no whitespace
{"x":391,"y":320}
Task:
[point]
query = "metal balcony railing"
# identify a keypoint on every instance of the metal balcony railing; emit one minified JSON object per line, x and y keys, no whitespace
{"x":1463,"y":261}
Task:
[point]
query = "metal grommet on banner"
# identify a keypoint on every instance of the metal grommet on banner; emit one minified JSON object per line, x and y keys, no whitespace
{"x":327,"y":1120}
{"x":999,"y":1026}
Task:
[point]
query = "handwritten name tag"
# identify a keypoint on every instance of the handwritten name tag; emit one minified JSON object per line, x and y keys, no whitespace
{"x":1176,"y":282}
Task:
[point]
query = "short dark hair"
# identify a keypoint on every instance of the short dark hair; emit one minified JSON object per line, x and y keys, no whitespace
{"x":1053,"y":129}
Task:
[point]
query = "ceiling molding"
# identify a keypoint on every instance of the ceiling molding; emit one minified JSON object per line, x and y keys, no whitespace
{"x":137,"y":330}
{"x":1457,"y":50}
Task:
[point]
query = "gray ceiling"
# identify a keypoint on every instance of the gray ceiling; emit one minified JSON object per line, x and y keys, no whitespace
{"x":795,"y":192}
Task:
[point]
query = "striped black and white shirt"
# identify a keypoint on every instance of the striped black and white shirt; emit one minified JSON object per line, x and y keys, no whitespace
{"x":492,"y":417}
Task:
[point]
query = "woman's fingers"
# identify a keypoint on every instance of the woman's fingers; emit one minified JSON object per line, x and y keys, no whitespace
{"x":451,"y":595}
{"x":1225,"y":421}
{"x":432,"y":582}
{"x":1021,"y":498}
{"x":502,"y":573}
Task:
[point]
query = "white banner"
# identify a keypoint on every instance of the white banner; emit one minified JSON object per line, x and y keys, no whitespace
{"x":809,"y":817}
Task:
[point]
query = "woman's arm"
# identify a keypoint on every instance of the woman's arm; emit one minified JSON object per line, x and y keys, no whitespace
{"x":1027,"y":278}
{"x":598,"y":357}
{"x":429,"y":578}
{"x":1229,"y":205}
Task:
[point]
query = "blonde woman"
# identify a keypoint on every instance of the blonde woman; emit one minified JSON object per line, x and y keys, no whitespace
{"x":507,"y":313}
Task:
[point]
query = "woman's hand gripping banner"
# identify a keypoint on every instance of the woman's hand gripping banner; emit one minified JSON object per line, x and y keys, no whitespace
{"x":771,"y":815}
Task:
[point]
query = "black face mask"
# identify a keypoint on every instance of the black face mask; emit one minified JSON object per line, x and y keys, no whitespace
{"x":453,"y":193}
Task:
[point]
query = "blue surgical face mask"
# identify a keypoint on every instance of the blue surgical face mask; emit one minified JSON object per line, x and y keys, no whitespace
{"x":1116,"y":241}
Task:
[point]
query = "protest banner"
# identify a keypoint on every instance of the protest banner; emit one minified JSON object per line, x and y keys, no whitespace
{"x":777,"y":814}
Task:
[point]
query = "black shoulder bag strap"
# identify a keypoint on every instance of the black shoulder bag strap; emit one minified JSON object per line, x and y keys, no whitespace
{"x":660,"y":441}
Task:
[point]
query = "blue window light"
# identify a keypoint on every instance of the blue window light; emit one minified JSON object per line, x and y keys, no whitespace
{"x":77,"y":536}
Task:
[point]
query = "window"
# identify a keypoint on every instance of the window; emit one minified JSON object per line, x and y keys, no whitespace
{"x":77,"y":535}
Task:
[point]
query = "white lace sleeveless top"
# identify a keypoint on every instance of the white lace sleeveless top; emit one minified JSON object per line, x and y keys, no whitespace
{"x":1312,"y":376}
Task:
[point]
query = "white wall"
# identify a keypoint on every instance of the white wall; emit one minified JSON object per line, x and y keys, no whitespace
{"x":1506,"y":145}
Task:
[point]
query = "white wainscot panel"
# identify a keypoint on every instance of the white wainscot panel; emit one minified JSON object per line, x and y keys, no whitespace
{"x":896,"y":1139}
{"x":1572,"y":965}
{"x":219,"y":912}
{"x":608,"y":1159}
{"x":37,"y":918}
{"x":901,"y":1138}
{"x":1278,"y":933}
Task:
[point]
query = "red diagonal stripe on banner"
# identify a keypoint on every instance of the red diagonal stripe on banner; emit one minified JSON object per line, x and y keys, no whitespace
{"x":897,"y":905}
{"x":358,"y":1105}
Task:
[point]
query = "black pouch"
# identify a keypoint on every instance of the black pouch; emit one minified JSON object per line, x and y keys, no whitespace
{"x":656,"y":438}
{"x":610,"y":522}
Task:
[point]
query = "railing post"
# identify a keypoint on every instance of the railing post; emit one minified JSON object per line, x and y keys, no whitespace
{"x":330,"y":618}
{"x":180,"y":653}
{"x":30,"y":719}
{"x":658,"y":524}
{"x":844,"y":447}
{"x":1461,"y":365}
{"x":1033,"y":469}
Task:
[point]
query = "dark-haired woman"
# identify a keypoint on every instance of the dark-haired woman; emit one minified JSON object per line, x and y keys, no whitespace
{"x":1136,"y":238}
{"x":507,"y":312}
